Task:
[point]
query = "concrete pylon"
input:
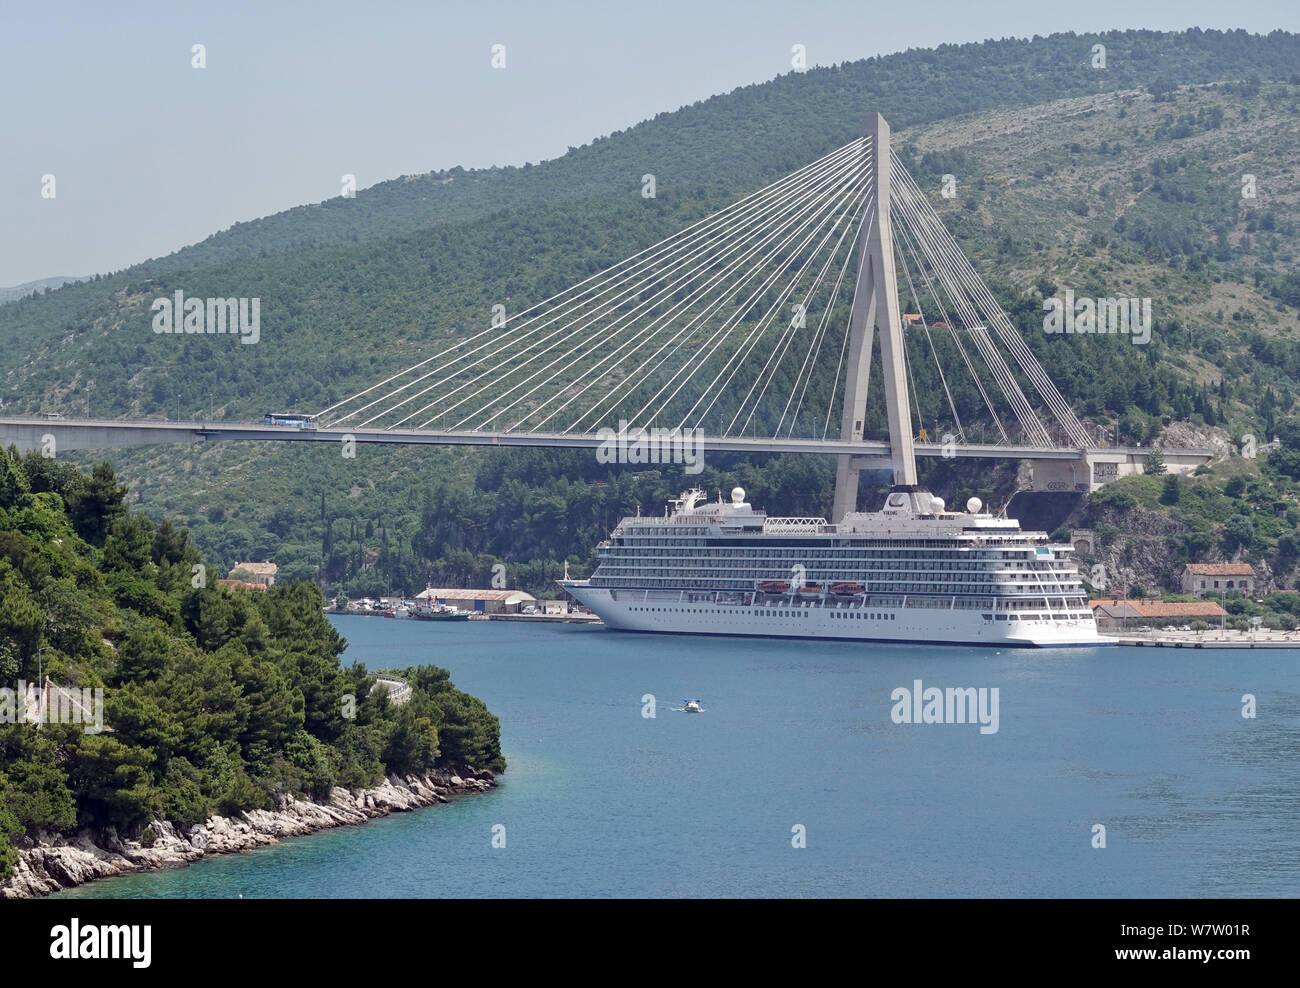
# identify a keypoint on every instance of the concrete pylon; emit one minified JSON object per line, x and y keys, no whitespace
{"x":876,"y":295}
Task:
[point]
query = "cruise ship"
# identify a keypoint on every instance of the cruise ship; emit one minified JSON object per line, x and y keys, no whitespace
{"x":912,"y":572}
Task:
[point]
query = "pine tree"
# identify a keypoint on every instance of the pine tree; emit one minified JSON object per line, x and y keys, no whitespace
{"x":1171,"y":492}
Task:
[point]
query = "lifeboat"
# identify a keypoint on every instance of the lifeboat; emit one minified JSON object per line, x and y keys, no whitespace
{"x":773,"y":586}
{"x":848,"y":589}
{"x":810,"y":590}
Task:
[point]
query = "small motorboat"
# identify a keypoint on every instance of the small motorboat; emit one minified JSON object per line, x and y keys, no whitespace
{"x":692,"y":705}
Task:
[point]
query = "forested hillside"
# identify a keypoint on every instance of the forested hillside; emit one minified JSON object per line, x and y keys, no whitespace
{"x":214,"y":700}
{"x":1118,"y":181}
{"x":381,"y":277}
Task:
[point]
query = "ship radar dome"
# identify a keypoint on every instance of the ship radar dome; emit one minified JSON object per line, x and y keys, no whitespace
{"x":937,"y":505}
{"x":974,"y":505}
{"x":738,"y":495}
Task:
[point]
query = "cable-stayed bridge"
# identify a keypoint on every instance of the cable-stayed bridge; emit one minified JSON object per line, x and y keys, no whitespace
{"x":751,"y":330}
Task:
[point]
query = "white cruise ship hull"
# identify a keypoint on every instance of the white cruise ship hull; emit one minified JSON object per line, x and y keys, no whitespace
{"x":834,"y":620}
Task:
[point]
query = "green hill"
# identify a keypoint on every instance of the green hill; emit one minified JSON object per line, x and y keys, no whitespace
{"x":1125,"y":180}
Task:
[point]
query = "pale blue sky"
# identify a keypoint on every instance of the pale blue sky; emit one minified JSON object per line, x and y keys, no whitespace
{"x":150,"y":154}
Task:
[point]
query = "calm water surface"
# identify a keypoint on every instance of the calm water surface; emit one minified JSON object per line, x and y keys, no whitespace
{"x":599,"y":800}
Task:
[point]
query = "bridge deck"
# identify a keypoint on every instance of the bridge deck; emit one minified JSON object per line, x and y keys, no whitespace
{"x":102,"y":433}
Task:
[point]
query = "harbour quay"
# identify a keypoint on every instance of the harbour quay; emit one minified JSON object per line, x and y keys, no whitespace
{"x":495,"y":605}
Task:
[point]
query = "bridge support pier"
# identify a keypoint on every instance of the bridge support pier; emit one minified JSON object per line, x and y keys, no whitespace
{"x":875,"y":300}
{"x":1061,"y":476}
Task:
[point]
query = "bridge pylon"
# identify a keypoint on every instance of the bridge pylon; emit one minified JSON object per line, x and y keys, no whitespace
{"x":875,"y":302}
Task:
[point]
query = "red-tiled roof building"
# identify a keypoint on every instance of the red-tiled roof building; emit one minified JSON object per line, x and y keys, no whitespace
{"x":1217,"y":578}
{"x":1120,"y":615}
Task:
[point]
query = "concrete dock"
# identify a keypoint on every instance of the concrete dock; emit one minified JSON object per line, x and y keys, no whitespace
{"x":552,"y":618}
{"x":1274,"y":639}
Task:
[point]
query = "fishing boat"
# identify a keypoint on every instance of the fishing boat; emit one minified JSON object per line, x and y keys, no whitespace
{"x":439,"y":612}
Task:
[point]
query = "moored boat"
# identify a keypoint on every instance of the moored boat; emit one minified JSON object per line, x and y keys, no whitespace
{"x":439,"y":612}
{"x":913,"y":571}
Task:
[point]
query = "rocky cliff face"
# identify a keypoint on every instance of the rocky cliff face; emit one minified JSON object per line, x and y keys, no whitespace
{"x":1138,"y":553}
{"x":1178,"y":435}
{"x":58,"y":862}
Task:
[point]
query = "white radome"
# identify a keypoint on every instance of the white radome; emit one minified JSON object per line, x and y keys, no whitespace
{"x":937,"y":505}
{"x":738,"y":495}
{"x":973,"y":505}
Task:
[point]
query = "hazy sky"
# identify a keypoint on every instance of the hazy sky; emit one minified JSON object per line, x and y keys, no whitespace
{"x":150,"y":154}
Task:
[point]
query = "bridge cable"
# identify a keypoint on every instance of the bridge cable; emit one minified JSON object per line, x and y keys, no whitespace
{"x":923,"y":228}
{"x":715,"y":339}
{"x":789,"y":203}
{"x":646,"y":255}
{"x":1009,"y":335}
{"x":718,"y":337}
{"x":930,"y":230}
{"x":900,"y":249}
{"x":644,"y":371}
{"x":950,"y":324}
{"x":701,"y":245}
{"x":788,"y":337}
{"x":822,"y":333}
{"x":644,"y":335}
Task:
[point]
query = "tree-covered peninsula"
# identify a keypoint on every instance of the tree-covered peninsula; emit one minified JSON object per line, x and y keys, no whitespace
{"x":215,"y":701}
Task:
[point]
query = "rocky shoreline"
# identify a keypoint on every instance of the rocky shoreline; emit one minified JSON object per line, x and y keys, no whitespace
{"x":54,"y":862}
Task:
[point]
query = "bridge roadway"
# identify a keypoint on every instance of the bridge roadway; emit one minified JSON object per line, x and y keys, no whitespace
{"x":1067,"y":465}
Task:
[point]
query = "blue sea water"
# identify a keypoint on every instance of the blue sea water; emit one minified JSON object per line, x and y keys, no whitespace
{"x":1196,"y":800}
